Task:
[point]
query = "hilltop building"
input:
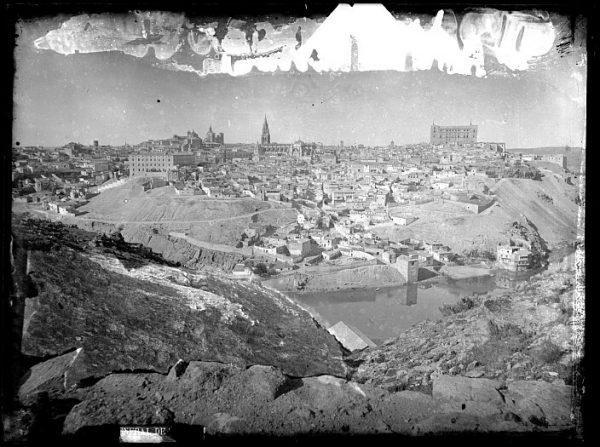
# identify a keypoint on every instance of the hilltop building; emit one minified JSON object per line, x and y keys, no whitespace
{"x":213,"y":138}
{"x":190,"y":142}
{"x":297,"y":149}
{"x":453,"y":135}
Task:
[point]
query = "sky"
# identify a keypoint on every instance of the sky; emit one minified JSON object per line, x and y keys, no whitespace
{"x":116,"y":98}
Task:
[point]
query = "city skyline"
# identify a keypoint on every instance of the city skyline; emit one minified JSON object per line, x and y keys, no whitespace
{"x":116,"y":98}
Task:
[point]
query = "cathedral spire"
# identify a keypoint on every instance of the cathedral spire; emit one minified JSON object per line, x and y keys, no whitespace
{"x":265,"y":135}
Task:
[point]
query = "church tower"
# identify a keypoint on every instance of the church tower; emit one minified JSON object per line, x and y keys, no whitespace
{"x":265,"y":137}
{"x":210,"y":135}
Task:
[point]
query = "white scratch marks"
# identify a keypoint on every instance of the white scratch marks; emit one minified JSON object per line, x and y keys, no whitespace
{"x":382,"y":42}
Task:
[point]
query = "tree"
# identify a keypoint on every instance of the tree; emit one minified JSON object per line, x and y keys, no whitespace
{"x":261,"y":269}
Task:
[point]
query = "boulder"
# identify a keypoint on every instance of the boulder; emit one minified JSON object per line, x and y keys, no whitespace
{"x":540,"y":402}
{"x":222,"y":423}
{"x":56,"y":377}
{"x":402,"y":410}
{"x":121,"y":399}
{"x":463,"y":389}
{"x":561,"y":336}
{"x":262,"y":383}
{"x":177,"y":369}
{"x":467,"y":423}
{"x":119,"y":411}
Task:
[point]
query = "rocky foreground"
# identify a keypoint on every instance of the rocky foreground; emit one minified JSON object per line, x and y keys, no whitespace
{"x":112,"y":335}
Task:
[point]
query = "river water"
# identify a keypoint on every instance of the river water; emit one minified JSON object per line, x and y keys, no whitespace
{"x":382,"y":313}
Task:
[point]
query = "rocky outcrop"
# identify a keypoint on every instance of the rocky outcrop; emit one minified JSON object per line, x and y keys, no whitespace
{"x":225,"y":399}
{"x":525,"y":334}
{"x":123,"y":340}
{"x":171,"y":249}
{"x":181,"y":251}
{"x":54,"y":377}
{"x":135,"y":314}
{"x":542,"y":403}
{"x":529,"y":232}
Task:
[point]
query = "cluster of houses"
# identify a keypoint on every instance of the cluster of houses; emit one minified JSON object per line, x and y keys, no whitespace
{"x":72,"y":173}
{"x":294,"y":244}
{"x":340,"y":192}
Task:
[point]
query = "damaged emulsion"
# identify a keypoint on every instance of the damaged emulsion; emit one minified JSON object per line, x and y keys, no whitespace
{"x":461,"y":43}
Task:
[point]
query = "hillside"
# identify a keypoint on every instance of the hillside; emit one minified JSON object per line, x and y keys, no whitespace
{"x":547,"y":204}
{"x":128,"y":312}
{"x":114,"y":335}
{"x":130,"y":202}
{"x":214,"y":220}
{"x":574,"y":154}
{"x":523,"y":334}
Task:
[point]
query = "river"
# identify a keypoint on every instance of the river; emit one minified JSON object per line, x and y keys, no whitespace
{"x":383,"y":313}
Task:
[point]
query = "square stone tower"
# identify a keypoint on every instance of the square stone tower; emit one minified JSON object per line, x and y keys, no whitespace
{"x":408,"y":265}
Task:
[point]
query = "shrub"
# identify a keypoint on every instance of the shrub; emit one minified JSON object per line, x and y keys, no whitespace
{"x":548,"y":352}
{"x":505,"y":331}
{"x":465,"y":303}
{"x":261,"y":269}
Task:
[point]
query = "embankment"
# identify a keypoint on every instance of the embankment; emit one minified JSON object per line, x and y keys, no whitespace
{"x":357,"y":277}
{"x":171,"y":248}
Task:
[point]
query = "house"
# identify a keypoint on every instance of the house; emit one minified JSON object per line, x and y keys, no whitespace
{"x":402,"y":218}
{"x":513,"y":256}
{"x":251,"y":233}
{"x":299,"y":247}
{"x":442,"y":253}
{"x":430,"y":246}
{"x":331,"y":255}
{"x":240,"y":271}
{"x":389,"y":256}
{"x":441,"y":185}
{"x":272,"y":250}
{"x":272,"y":195}
{"x":326,"y":241}
{"x":425,"y":258}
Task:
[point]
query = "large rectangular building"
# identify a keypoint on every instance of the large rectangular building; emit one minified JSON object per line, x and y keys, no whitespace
{"x":454,"y":135}
{"x":157,"y":163}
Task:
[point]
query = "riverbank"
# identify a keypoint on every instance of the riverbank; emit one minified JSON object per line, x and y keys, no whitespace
{"x":522,"y":345}
{"x":351,"y":278}
{"x":465,"y":271}
{"x":374,"y":276}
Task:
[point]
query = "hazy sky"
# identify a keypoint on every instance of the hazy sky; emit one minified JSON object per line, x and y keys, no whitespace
{"x":115,"y":98}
